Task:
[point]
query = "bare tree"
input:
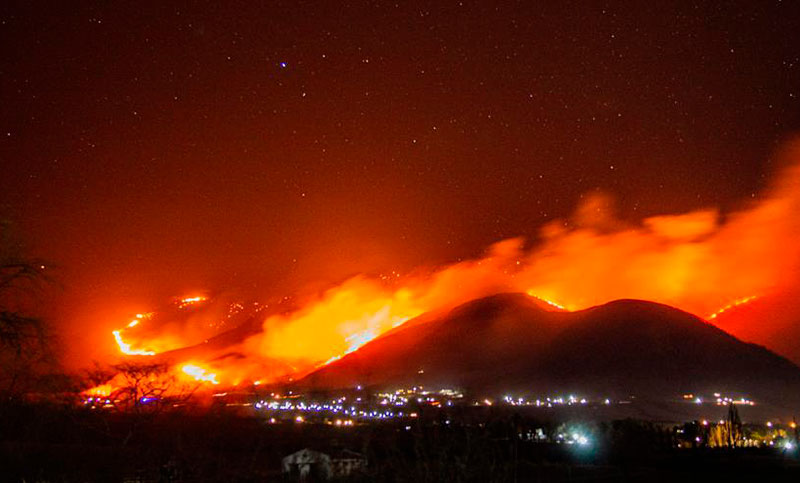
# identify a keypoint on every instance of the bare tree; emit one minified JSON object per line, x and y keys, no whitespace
{"x":24,"y":338}
{"x":145,"y":388}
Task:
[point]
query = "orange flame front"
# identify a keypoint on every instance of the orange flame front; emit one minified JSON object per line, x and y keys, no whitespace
{"x":697,"y":261}
{"x":199,"y":374}
{"x":734,"y":304}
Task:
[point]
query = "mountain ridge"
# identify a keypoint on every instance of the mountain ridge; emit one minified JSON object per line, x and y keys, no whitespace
{"x":510,"y":342}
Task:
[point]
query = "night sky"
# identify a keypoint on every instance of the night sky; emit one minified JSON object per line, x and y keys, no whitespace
{"x":152,"y":150}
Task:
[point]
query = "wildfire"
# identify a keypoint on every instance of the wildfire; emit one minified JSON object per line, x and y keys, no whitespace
{"x":548,"y":302}
{"x":135,"y":322}
{"x":339,"y":322}
{"x":735,"y":303}
{"x":103,"y":390}
{"x":126,"y":348}
{"x":357,"y":340}
{"x":187,"y":301}
{"x":383,"y":321}
{"x":199,"y":374}
{"x":694,"y":261}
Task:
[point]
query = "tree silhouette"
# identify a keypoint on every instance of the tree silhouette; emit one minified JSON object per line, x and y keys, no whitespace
{"x":733,"y":426}
{"x":24,"y":338}
{"x":146,"y":391}
{"x":145,"y":388}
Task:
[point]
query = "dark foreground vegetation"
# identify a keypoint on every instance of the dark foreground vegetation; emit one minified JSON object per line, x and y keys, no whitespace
{"x":46,"y":442}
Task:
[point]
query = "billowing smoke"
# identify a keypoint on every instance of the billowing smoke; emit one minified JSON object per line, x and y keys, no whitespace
{"x":697,"y":261}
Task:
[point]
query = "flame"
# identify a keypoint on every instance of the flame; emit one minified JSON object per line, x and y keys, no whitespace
{"x":547,"y":301}
{"x":696,"y":261}
{"x":735,"y":303}
{"x":103,"y":390}
{"x":126,"y":348}
{"x":187,"y":301}
{"x":199,"y":374}
{"x":343,"y":320}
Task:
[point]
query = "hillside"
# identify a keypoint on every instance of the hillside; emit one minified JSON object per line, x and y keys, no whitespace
{"x":510,"y":342}
{"x":772,"y":321}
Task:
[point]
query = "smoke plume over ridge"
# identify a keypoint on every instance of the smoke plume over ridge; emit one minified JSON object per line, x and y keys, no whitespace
{"x":697,"y":261}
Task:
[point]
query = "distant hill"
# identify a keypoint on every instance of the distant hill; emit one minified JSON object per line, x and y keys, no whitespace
{"x":772,"y":321}
{"x":511,"y":342}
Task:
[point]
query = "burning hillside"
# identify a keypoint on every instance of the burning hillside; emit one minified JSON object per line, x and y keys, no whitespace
{"x":703,"y":262}
{"x":508,"y":342}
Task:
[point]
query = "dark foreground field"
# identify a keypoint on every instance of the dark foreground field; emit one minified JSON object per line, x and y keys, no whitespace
{"x":58,"y":444}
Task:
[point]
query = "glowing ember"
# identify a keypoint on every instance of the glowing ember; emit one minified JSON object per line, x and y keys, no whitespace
{"x":199,"y":374}
{"x":735,"y":303}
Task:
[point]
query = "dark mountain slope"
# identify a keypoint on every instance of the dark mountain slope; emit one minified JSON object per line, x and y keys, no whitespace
{"x":509,"y":342}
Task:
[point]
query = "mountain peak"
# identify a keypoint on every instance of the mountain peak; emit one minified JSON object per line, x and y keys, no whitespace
{"x":509,"y":341}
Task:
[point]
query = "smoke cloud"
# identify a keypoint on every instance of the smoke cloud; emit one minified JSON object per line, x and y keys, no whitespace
{"x":697,"y":261}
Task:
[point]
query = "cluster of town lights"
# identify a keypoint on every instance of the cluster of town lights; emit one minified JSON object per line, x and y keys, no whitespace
{"x":335,"y":407}
{"x":720,"y":400}
{"x":547,"y":402}
{"x":404,"y":405}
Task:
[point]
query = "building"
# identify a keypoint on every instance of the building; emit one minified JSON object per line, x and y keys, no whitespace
{"x":308,"y":464}
{"x":345,"y":463}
